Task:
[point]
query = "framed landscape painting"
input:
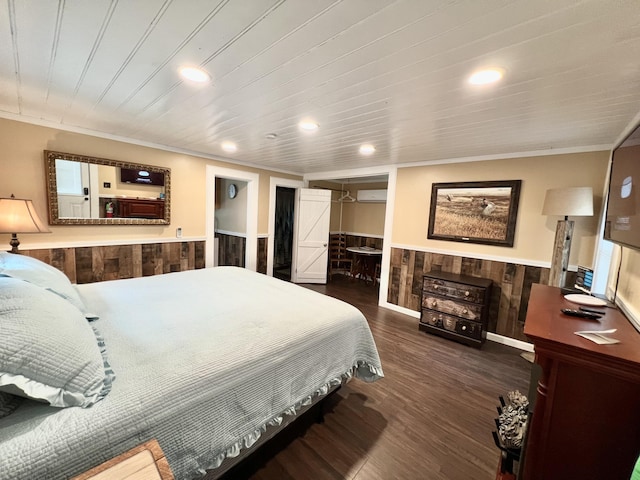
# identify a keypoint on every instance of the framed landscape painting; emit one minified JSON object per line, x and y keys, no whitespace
{"x":475,"y":212}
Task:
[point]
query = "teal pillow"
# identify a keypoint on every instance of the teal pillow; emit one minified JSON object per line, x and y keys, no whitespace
{"x":39,"y":273}
{"x":48,"y":351}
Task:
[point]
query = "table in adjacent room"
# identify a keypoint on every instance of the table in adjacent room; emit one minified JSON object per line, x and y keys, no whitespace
{"x":364,"y":262}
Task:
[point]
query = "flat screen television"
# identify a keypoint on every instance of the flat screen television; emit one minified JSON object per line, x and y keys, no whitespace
{"x":622,"y":222}
{"x":143,"y":177}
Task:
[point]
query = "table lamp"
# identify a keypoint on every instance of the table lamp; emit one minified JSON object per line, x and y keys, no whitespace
{"x":18,"y":215}
{"x":565,"y":202}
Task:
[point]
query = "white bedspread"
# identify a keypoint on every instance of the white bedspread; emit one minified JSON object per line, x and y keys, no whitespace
{"x":204,"y":360}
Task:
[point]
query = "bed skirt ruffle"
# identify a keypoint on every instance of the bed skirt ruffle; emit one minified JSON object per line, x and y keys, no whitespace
{"x":362,"y":370}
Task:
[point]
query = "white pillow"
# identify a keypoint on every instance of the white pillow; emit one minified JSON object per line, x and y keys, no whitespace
{"x":39,"y":273}
{"x":48,"y":351}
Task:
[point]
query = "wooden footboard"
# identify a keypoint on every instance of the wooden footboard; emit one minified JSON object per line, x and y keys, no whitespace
{"x":145,"y":461}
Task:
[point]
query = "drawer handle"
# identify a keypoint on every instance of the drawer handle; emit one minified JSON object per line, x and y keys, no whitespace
{"x":464,"y":310}
{"x":464,"y":327}
{"x":434,"y":303}
{"x":435,"y":287}
{"x":467,"y":293}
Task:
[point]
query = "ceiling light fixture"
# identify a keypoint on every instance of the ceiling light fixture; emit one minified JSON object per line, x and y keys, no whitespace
{"x":271,"y":136}
{"x":367,"y":149}
{"x":229,"y":147}
{"x":487,"y":76}
{"x":195,"y":74}
{"x":308,"y":125}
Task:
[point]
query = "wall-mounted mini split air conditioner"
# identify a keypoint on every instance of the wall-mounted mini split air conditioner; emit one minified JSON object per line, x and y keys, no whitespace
{"x":372,"y":195}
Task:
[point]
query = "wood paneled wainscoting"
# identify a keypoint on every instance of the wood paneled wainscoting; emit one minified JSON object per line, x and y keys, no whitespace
{"x":231,"y":249}
{"x":113,"y":262}
{"x":509,"y":294}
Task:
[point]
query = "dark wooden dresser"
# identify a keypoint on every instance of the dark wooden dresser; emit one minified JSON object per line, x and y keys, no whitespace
{"x":140,"y":208}
{"x":456,"y":307}
{"x":586,"y":419}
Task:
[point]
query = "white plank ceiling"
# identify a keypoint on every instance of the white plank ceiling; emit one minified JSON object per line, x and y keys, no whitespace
{"x":389,"y":73}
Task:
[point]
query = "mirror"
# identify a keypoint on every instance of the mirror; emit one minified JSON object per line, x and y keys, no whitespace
{"x":97,"y":191}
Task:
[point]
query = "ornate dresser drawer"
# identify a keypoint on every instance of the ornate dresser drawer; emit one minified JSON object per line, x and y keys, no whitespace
{"x":452,"y":306}
{"x":460,"y":291}
{"x":456,"y":307}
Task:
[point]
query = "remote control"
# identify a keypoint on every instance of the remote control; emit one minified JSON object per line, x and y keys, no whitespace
{"x":592,"y":310}
{"x":581,"y":314}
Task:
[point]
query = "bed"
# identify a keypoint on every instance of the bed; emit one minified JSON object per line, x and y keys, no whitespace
{"x":204,"y":361}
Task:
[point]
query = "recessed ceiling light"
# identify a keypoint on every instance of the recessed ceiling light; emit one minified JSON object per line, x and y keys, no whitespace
{"x":308,"y":125}
{"x":195,"y":74}
{"x":484,"y":77}
{"x":229,"y":147}
{"x":367,"y":149}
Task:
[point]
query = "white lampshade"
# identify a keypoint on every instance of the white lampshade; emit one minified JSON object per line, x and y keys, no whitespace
{"x":571,"y":201}
{"x":18,"y":215}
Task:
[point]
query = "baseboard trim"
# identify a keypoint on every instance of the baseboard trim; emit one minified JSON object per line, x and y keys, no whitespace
{"x":511,"y":342}
{"x":494,"y":337}
{"x":399,"y":309}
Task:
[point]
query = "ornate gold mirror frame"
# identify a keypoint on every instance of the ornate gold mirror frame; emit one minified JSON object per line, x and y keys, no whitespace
{"x":138,"y":209}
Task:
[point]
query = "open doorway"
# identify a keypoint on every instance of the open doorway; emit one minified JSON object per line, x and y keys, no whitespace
{"x":230,"y":222}
{"x":358,"y":211}
{"x":283,"y":232}
{"x":276,"y":183}
{"x":358,"y":217}
{"x":215,"y":193}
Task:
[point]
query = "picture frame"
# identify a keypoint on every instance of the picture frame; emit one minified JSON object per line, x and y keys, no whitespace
{"x":475,"y":212}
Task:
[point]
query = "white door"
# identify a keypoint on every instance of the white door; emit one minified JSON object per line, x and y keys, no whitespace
{"x":73,"y":189}
{"x":311,"y":236}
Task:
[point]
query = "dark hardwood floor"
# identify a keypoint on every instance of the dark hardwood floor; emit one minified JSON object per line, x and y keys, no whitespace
{"x":431,"y":417}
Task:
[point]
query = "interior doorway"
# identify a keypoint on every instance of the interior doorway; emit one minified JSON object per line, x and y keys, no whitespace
{"x":358,"y":213}
{"x":230,"y":222}
{"x":283,"y":232}
{"x":274,"y":184}
{"x":362,"y":211}
{"x":252,"y":180}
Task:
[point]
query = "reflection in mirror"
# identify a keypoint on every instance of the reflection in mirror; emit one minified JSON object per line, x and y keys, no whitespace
{"x":96,"y":191}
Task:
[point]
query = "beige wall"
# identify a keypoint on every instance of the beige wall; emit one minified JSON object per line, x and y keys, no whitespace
{"x":22,"y":173}
{"x":535,"y":233}
{"x":231,"y":214}
{"x":361,"y":217}
{"x":357,"y":217}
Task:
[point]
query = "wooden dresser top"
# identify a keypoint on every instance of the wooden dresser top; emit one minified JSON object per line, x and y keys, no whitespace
{"x":551,"y":330}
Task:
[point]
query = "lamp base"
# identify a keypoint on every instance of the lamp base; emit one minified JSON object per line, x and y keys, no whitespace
{"x":561,"y":250}
{"x":14,"y":242}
